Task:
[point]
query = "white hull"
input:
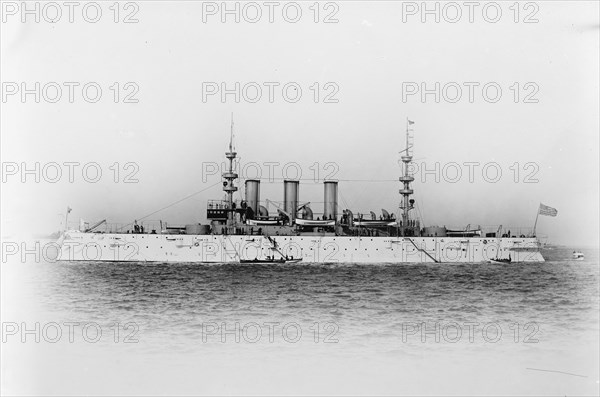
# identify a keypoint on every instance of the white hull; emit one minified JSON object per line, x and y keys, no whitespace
{"x":79,"y":246}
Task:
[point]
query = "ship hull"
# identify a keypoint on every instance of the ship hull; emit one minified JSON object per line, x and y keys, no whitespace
{"x":80,"y":246}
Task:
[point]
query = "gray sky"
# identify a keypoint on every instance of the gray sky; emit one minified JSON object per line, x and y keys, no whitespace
{"x":368,"y":55}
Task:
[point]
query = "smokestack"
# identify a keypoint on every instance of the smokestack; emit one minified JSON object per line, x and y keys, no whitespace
{"x":330,"y":200}
{"x":290,"y":197}
{"x":253,"y":194}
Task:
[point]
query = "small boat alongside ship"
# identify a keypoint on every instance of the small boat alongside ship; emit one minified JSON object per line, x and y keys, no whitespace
{"x":500,"y":260}
{"x":271,"y":260}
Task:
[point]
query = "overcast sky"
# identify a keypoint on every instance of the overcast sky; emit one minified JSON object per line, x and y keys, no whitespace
{"x":370,"y":57}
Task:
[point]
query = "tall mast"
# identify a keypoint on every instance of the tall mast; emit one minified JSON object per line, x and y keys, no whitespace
{"x":230,"y":176}
{"x":406,"y":179}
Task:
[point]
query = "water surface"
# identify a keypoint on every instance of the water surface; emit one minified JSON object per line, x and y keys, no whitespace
{"x":305,"y":328}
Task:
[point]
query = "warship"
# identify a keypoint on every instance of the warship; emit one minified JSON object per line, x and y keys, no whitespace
{"x":245,"y":231}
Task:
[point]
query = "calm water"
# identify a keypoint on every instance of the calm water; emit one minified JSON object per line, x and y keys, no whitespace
{"x":304,"y":329}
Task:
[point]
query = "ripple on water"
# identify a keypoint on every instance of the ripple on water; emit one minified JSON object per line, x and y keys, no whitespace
{"x":361,"y":299}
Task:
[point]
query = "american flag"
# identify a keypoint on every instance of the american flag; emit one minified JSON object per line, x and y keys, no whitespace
{"x":548,"y":211}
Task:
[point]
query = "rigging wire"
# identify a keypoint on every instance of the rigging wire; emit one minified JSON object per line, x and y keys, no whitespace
{"x":343,"y":199}
{"x":420,"y":214}
{"x":172,"y":204}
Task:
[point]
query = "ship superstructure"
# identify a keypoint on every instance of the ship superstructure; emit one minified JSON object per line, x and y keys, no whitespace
{"x":245,"y":231}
